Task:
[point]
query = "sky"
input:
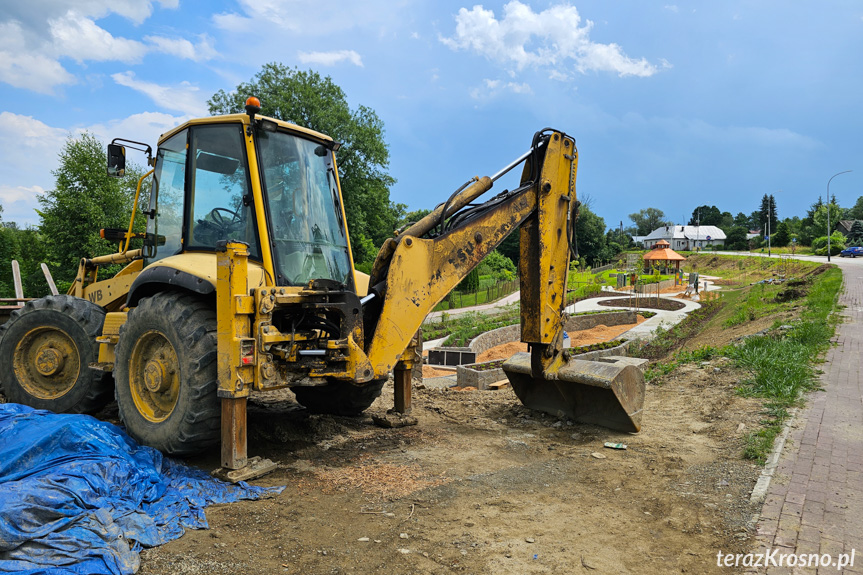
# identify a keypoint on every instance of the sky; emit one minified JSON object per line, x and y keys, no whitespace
{"x":672,"y":105}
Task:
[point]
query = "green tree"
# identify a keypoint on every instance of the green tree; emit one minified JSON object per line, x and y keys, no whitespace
{"x":10,"y":249}
{"x":83,"y":200}
{"x":856,"y":213}
{"x":755,"y":221}
{"x":470,"y":283}
{"x":412,"y":217}
{"x":741,"y":220}
{"x":807,"y":231}
{"x":707,"y":215}
{"x":499,"y":266}
{"x":647,"y":220}
{"x":735,"y":239}
{"x":510,"y":247}
{"x":590,"y":233}
{"x":782,"y":236}
{"x":855,"y":236}
{"x":837,"y":244}
{"x":316,"y":102}
{"x":819,"y":220}
{"x":768,"y":213}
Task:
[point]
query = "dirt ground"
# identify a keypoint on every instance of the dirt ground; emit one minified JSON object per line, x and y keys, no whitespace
{"x":484,"y":485}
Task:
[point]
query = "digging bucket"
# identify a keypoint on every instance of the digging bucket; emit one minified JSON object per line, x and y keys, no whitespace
{"x":606,"y":394}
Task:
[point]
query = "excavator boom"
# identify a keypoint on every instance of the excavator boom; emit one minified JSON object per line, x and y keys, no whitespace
{"x":412,"y":274}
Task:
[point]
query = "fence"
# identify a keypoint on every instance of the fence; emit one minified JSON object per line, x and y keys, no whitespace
{"x":484,"y":295}
{"x":601,"y":269}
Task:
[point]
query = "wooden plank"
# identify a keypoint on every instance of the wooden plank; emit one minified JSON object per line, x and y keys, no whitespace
{"x":49,"y":279}
{"x":499,"y":384}
{"x":16,"y":278}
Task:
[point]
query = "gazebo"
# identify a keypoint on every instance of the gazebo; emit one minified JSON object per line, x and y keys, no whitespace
{"x":663,"y":255}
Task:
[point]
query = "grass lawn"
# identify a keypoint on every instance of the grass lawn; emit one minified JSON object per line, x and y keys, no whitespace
{"x":779,"y":366}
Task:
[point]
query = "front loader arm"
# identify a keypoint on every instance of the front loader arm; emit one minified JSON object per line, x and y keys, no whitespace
{"x":412,"y":274}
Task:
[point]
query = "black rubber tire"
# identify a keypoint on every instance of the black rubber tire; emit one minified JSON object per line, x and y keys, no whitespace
{"x":77,"y":322}
{"x":188,"y":324}
{"x":339,"y":397}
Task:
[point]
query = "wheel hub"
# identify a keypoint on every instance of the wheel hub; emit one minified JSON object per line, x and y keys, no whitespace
{"x":49,"y":361}
{"x":156,"y":376}
{"x":46,"y":362}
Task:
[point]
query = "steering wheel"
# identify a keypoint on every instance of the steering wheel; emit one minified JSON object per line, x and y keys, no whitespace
{"x":217,"y":227}
{"x":217,"y":217}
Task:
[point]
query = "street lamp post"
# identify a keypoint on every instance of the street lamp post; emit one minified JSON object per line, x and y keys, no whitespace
{"x":770,"y":200}
{"x":769,"y":217}
{"x":828,"y":209}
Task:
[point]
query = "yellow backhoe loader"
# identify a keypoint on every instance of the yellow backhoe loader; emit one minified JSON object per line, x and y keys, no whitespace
{"x":245,"y":282}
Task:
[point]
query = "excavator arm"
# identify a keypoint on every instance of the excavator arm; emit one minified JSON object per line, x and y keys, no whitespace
{"x":413,"y":273}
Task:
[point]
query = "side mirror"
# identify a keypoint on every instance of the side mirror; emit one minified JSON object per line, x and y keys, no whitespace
{"x":116,"y":160}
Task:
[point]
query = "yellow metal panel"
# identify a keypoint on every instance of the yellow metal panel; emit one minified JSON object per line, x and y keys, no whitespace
{"x":113,"y":322}
{"x":203,"y":265}
{"x":544,"y":248}
{"x":110,"y":293}
{"x":422,"y":272}
{"x":110,"y":335}
{"x":361,"y":281}
{"x":260,"y":213}
{"x":344,"y":216}
{"x":132,"y":268}
{"x":244,"y":119}
{"x":235,"y":377}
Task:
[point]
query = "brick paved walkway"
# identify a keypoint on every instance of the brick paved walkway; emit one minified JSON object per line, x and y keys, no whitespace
{"x":815,"y":501}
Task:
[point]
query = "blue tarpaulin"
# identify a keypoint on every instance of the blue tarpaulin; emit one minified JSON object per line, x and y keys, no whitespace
{"x":79,"y":496}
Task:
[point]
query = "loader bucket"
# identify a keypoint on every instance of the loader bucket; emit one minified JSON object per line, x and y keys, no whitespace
{"x":606,"y":394}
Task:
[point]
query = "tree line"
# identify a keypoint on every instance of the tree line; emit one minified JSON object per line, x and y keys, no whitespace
{"x":809,"y":230}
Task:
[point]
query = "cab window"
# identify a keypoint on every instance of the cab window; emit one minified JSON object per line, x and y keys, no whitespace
{"x":166,"y":198}
{"x":220,"y":204}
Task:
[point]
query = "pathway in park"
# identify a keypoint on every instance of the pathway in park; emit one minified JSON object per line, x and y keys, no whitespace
{"x":814,"y":503}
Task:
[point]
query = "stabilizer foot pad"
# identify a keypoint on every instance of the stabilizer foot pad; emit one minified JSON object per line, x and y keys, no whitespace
{"x":393,"y":419}
{"x":254,"y":468}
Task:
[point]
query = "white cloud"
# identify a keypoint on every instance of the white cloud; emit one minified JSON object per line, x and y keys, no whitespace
{"x":493,"y":88}
{"x":308,"y":18}
{"x":330,"y":58}
{"x":25,"y":68}
{"x":13,"y":194}
{"x":183,"y":98}
{"x":34,"y":14}
{"x":145,"y":127}
{"x":183,"y":48}
{"x":30,"y":149}
{"x":550,"y":38}
{"x":25,"y":136}
{"x":80,"y":38}
{"x":36,"y":36}
{"x":672,"y":8}
{"x":687,"y":129}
